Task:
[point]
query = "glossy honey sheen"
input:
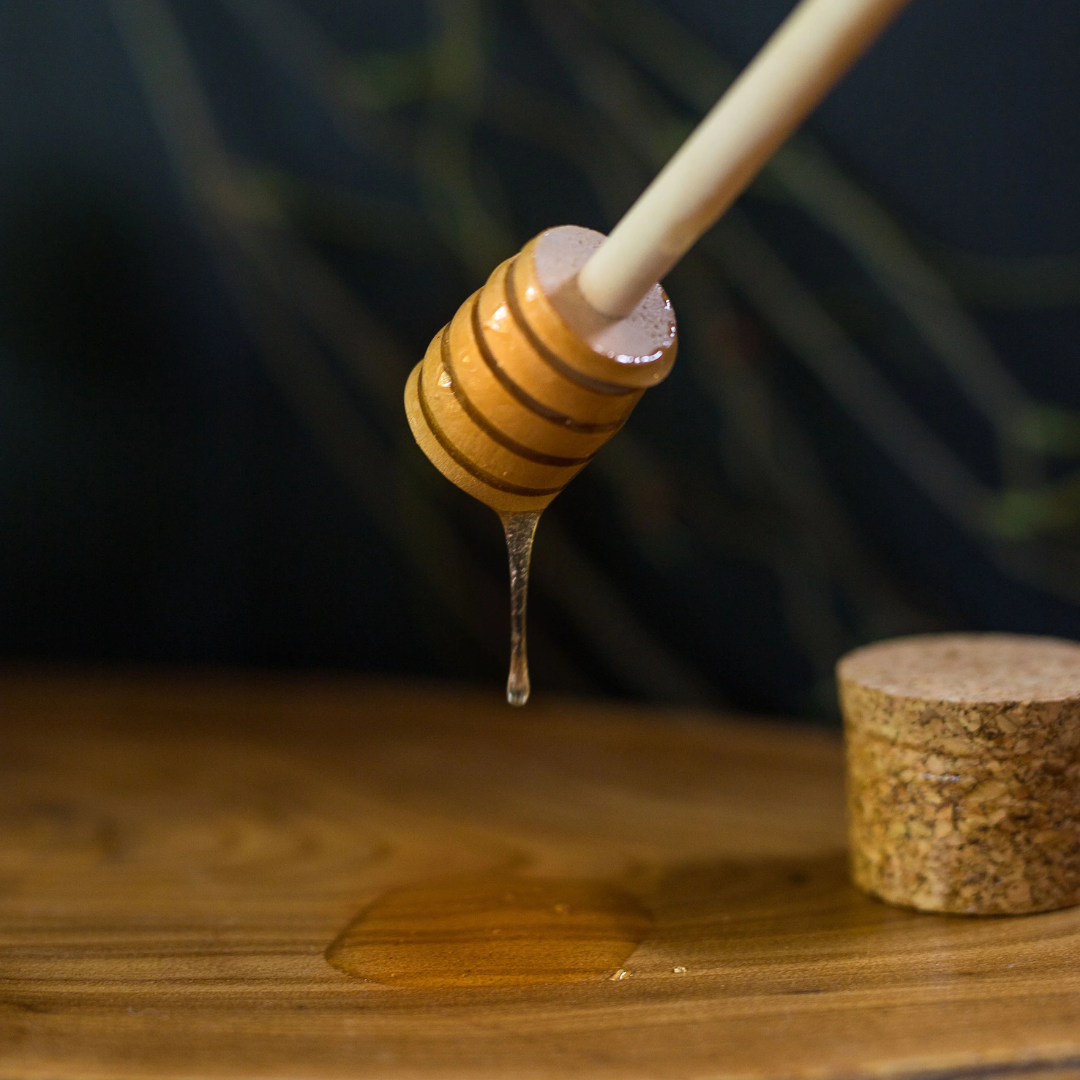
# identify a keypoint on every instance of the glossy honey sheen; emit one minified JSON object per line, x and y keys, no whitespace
{"x":492,"y":931}
{"x":520,"y":529}
{"x":509,"y":403}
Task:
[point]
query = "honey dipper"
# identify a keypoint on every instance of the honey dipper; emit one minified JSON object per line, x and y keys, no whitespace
{"x":540,"y":367}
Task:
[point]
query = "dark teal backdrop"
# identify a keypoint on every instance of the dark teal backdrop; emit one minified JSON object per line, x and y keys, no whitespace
{"x":228,"y":228}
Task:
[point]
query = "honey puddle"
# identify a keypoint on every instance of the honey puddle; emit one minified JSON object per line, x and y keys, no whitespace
{"x":520,"y":529}
{"x":492,"y":931}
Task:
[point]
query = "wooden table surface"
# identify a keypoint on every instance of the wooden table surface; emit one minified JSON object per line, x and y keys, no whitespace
{"x":573,"y":890}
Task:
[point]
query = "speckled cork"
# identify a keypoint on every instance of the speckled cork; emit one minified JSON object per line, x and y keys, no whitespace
{"x":963,"y":772}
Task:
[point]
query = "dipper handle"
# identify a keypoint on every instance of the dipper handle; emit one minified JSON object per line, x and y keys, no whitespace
{"x":801,"y":62}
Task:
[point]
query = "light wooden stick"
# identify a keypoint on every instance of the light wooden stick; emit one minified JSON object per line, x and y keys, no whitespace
{"x":800,"y":63}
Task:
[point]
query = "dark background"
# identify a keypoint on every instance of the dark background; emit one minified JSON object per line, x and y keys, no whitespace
{"x":229,"y":227}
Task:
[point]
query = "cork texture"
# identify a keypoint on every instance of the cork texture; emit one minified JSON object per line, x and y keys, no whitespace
{"x":963,"y":771}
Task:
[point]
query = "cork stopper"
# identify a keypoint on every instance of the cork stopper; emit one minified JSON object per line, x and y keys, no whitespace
{"x":963,"y":779}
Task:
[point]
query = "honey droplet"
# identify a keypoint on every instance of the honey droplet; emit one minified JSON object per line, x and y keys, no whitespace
{"x":520,"y":529}
{"x":492,"y":931}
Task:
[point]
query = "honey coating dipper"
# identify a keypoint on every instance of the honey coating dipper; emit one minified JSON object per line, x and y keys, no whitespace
{"x":544,"y":364}
{"x":518,"y":392}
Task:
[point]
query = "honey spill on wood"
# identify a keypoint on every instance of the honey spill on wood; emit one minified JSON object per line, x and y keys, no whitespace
{"x":520,"y":529}
{"x":492,"y":931}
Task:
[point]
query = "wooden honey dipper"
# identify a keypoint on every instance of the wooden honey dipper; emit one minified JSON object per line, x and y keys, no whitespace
{"x":540,"y":367}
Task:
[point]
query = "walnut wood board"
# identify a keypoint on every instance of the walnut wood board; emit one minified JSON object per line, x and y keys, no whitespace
{"x":177,"y":854}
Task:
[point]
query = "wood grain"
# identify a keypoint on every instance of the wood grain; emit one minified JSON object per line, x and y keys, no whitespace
{"x":177,"y":855}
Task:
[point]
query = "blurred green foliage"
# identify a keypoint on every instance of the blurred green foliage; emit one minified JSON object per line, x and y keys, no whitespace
{"x":632,"y":83}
